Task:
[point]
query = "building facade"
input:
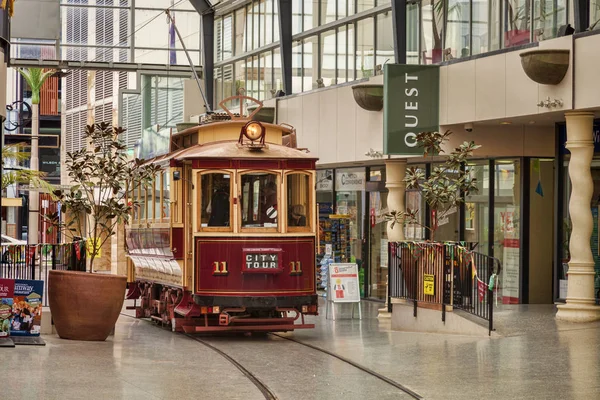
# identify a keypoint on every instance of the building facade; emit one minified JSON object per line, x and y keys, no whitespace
{"x":520,"y":213}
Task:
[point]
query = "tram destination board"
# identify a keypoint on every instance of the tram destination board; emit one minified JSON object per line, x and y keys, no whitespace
{"x":261,"y":260}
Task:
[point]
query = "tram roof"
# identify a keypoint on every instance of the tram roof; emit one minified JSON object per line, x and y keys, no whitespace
{"x":232,"y":150}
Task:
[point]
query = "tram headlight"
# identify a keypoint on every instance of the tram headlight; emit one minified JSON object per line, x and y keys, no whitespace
{"x":216,"y":309}
{"x":254,"y":130}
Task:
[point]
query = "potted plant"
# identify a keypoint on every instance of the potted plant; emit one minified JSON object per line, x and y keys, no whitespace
{"x":86,"y":306}
{"x":446,"y":186}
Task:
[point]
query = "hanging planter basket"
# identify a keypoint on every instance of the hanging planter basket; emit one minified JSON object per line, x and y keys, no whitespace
{"x":368,"y":96}
{"x":547,"y":67}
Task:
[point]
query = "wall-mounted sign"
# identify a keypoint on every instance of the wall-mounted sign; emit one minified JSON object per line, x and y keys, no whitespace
{"x":428,"y":284}
{"x":324,"y":180}
{"x":350,"y":179}
{"x":410,"y":106}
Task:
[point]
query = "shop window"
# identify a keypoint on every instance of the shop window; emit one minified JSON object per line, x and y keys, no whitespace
{"x":215,"y":205}
{"x":298,"y":199}
{"x":477,"y":207}
{"x":259,"y":200}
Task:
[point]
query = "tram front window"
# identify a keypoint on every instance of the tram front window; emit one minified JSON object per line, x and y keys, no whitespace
{"x":259,"y":200}
{"x":215,"y":199}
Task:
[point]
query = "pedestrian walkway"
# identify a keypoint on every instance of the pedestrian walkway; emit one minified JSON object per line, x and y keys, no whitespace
{"x":534,"y":357}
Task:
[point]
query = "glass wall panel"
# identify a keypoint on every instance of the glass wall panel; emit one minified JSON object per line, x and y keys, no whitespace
{"x":311,"y":14}
{"x":296,"y":16}
{"x":218,"y":85}
{"x":266,"y":64}
{"x":486,"y":26}
{"x":516,"y":26}
{"x":594,"y":14}
{"x":218,"y":39}
{"x":446,"y":217}
{"x":365,"y":48}
{"x":249,"y":28}
{"x":328,"y":57}
{"x":342,"y":57}
{"x":548,"y":17}
{"x":432,"y":15}
{"x":262,"y":23}
{"x":277,"y":72}
{"x":477,"y":207}
{"x":228,"y":81}
{"x":253,"y":77}
{"x":413,"y":33}
{"x":240,"y":76}
{"x":378,"y":245}
{"x":328,"y":13}
{"x":240,"y":31}
{"x":362,"y":5}
{"x":275,"y":22}
{"x":227,"y":36}
{"x":457,"y":28}
{"x":507,"y":200}
{"x":310,"y":64}
{"x":385,"y":39}
{"x":296,"y":67}
{"x":270,"y":23}
{"x":351,"y":51}
{"x":256,"y":28}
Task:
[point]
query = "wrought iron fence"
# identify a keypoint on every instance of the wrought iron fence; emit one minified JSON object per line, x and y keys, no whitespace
{"x":34,"y":261}
{"x":437,"y":275}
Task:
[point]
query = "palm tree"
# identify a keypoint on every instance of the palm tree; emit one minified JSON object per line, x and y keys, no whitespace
{"x":35,"y":78}
{"x":13,"y":153}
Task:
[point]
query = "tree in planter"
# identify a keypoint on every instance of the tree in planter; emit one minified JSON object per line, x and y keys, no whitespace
{"x":102,"y":176}
{"x":445,"y":188}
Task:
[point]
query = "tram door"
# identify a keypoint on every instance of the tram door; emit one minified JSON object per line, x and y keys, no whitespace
{"x":188,"y":229}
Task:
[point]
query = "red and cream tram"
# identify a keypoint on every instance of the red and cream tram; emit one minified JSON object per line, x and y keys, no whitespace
{"x":224,"y":239}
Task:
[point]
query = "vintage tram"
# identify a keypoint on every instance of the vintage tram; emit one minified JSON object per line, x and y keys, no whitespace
{"x":224,"y":239}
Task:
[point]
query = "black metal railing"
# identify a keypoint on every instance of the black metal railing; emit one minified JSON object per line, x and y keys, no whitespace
{"x":34,"y":261}
{"x":438,"y":275}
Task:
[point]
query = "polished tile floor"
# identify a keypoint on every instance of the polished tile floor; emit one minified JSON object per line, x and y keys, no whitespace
{"x":533,"y":358}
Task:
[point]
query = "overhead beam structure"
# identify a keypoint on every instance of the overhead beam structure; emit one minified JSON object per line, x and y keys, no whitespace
{"x":100,"y":66}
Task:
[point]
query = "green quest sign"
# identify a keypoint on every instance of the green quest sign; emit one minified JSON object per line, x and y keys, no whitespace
{"x":411,"y":105}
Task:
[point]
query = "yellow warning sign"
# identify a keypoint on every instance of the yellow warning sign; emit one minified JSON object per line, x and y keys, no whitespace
{"x":428,"y":284}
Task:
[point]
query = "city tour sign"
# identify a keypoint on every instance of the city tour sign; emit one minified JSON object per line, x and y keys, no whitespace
{"x":410,"y":106}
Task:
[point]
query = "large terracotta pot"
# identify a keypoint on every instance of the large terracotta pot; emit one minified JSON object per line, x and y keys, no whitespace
{"x":85,"y":306}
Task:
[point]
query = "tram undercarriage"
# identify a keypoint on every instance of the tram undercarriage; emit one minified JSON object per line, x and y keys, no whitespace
{"x":184,"y":312}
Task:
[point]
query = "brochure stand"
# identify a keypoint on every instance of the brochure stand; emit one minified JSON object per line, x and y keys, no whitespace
{"x":343,"y":288}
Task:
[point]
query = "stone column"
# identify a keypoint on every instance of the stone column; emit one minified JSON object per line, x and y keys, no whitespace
{"x":580,"y":306}
{"x":395,"y":172}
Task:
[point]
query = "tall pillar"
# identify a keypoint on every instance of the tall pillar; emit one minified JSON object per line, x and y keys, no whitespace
{"x":395,"y":172}
{"x":580,"y":306}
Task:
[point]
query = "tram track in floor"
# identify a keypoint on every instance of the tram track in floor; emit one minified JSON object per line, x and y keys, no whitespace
{"x":260,"y":385}
{"x":267,"y":392}
{"x":354,"y":364}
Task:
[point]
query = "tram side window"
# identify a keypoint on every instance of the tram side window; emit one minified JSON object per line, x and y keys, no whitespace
{"x":259,"y":200}
{"x":216,"y":188}
{"x":156,"y":196}
{"x":142,"y":199}
{"x":166,"y":202}
{"x":298,"y":190}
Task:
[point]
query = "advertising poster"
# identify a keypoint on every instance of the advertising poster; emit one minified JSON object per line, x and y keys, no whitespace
{"x":343,"y":280}
{"x":510,"y":261}
{"x":7,"y":288}
{"x":27,"y":308}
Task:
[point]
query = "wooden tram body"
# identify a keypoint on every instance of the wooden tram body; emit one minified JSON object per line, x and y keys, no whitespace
{"x":225,"y":238}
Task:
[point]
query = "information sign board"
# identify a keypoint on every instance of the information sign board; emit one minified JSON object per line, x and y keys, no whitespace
{"x":343,"y":283}
{"x":429,"y":284}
